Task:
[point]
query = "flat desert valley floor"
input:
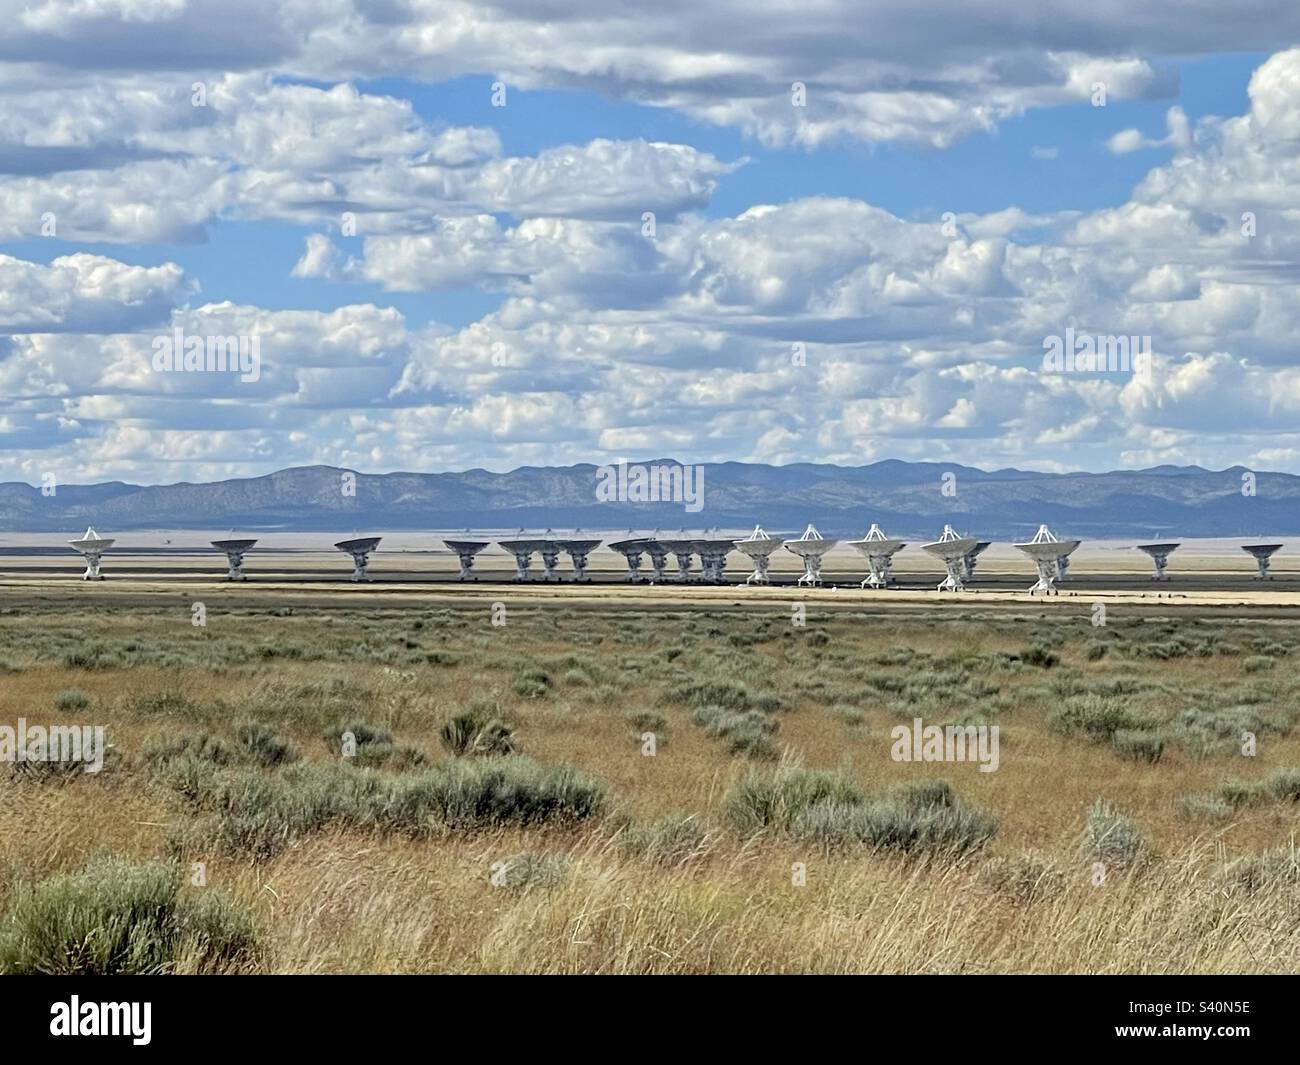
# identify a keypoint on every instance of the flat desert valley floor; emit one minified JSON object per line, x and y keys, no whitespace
{"x":414,"y":776}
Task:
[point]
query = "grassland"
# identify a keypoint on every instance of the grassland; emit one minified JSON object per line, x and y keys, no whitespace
{"x":499,"y":812}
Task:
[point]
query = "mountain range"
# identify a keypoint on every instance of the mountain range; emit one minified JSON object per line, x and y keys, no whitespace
{"x":909,"y":499}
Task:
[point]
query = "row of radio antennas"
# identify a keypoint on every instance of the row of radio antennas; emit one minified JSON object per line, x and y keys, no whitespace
{"x":1050,"y":554}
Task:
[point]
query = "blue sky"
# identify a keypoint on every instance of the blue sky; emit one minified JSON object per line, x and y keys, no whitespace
{"x":802,"y":297}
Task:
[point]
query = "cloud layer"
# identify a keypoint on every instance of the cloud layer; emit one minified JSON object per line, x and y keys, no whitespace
{"x":632,"y":320}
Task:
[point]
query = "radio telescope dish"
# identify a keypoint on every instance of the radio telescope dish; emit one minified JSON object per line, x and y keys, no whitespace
{"x":1047,"y":551}
{"x":810,"y":547}
{"x":550,"y":555}
{"x":632,"y":549}
{"x":879,"y":551}
{"x":1263,"y":553}
{"x":1160,"y":556}
{"x":713,"y":557}
{"x":234,"y":550}
{"x":465,"y":551}
{"x":760,"y":547}
{"x":359,"y":548}
{"x":682,"y":549}
{"x":578,"y":550}
{"x":523,"y":547}
{"x":953,"y":549}
{"x":92,"y":546}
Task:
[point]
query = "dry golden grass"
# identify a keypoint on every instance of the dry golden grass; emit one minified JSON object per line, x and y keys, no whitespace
{"x":356,"y":901}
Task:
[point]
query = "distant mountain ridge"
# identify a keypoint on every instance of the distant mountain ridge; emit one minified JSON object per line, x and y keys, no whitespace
{"x":906,"y":498}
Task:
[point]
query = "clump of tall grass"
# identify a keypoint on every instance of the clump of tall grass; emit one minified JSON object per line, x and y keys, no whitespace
{"x":531,"y":681}
{"x":773,"y":800}
{"x":1112,"y":839}
{"x":922,"y":817}
{"x":1039,"y":656}
{"x":1095,"y":717}
{"x":170,"y":704}
{"x":1024,"y":878}
{"x":476,"y":732}
{"x":1142,"y":745}
{"x":745,"y":731}
{"x":363,"y":745}
{"x":673,"y":840}
{"x":1279,"y":868}
{"x":71,"y":700}
{"x":829,"y":808}
{"x":1204,"y":731}
{"x":159,"y":751}
{"x":1207,"y":807}
{"x":119,"y":917}
{"x":250,"y":812}
{"x":263,"y":746}
{"x":724,"y":693}
{"x":1282,"y":786}
{"x":530,"y":869}
{"x":44,"y":763}
{"x":643,"y":721}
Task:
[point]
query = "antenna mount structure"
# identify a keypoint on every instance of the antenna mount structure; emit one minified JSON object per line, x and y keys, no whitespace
{"x":578,"y":550}
{"x":682,"y":549}
{"x":234,"y":550}
{"x":360,"y":549}
{"x":1047,"y":552}
{"x":972,"y":556}
{"x":523,"y":548}
{"x":633,"y":550}
{"x":713,"y":557}
{"x":879,"y":551}
{"x":760,"y":547}
{"x":550,"y":551}
{"x":1160,"y":557}
{"x":810,"y":547}
{"x":1263,"y":553}
{"x":465,"y":550}
{"x":92,"y":547}
{"x":953,"y":548}
{"x":658,"y":552}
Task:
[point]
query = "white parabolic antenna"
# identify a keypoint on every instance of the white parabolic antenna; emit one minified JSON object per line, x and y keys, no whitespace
{"x":578,"y":548}
{"x":952,"y":548}
{"x":1047,"y":551}
{"x":1263,"y":553}
{"x":234,"y":550}
{"x":92,"y":546}
{"x":759,"y":546}
{"x":1160,"y":556}
{"x":811,"y":546}
{"x":633,"y":549}
{"x":879,"y":551}
{"x":359,"y":548}
{"x":465,"y":549}
{"x":682,"y":547}
{"x":523,"y":547}
{"x":714,"y":550}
